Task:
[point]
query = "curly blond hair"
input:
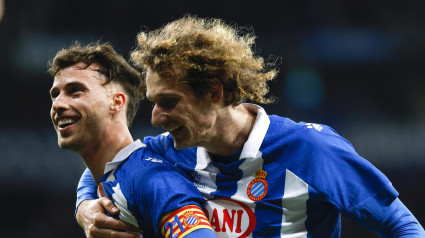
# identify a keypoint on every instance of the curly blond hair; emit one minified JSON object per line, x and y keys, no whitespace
{"x":207,"y":49}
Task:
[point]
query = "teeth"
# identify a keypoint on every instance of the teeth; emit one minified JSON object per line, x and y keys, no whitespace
{"x":172,"y":129}
{"x":65,"y":121}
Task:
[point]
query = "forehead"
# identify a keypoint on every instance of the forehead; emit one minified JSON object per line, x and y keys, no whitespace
{"x":78,"y":73}
{"x":157,"y":86}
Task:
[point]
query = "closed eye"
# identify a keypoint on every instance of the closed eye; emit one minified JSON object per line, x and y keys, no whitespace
{"x":168,"y":103}
{"x":75,"y":89}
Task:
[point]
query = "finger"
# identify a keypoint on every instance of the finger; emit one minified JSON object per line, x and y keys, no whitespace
{"x":96,"y":232}
{"x":108,"y":205}
{"x":106,"y":222}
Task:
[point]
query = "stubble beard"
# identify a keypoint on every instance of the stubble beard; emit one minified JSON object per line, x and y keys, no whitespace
{"x":72,"y":144}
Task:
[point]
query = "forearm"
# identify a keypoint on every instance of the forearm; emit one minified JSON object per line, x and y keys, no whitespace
{"x":391,"y":219}
{"x":400,"y":222}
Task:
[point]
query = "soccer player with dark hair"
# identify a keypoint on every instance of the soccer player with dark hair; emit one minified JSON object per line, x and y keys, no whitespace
{"x":262,"y":175}
{"x":95,"y":96}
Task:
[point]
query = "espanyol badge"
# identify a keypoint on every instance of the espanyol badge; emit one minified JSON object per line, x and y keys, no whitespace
{"x":257,"y":188}
{"x":190,"y":219}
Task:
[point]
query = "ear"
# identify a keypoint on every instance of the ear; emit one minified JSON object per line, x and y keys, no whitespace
{"x":216,"y":91}
{"x":118,"y":102}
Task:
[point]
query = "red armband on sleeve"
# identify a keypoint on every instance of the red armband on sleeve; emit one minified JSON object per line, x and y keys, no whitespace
{"x":183,"y":221}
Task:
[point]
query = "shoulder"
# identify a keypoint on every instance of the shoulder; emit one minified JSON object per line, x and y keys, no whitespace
{"x":145,"y":163}
{"x":163,"y":145}
{"x":325,"y":160}
{"x":160,"y":142}
{"x":145,"y":173}
{"x":307,"y":135}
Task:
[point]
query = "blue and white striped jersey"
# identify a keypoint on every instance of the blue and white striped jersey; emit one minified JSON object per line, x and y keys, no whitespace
{"x":145,"y":188}
{"x":291,"y":180}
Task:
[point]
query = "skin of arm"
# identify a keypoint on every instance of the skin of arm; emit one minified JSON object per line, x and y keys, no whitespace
{"x":91,"y":216}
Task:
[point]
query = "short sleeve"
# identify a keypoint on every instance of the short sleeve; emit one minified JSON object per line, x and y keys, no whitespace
{"x":162,"y":188}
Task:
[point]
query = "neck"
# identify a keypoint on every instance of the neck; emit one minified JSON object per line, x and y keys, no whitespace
{"x":97,"y":155}
{"x":232,"y":129}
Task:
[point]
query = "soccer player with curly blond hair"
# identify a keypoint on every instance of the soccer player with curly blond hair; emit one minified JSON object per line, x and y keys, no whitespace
{"x":262,"y":175}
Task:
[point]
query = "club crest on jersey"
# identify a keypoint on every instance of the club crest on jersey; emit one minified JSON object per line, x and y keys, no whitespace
{"x":258,"y":187}
{"x":190,"y":219}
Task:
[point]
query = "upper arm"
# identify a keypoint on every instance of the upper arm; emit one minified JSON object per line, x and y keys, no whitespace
{"x":86,"y":188}
{"x":161,"y":189}
{"x":184,"y":221}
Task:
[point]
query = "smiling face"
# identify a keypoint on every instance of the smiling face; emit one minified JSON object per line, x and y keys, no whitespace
{"x":80,"y":106}
{"x":188,"y":118}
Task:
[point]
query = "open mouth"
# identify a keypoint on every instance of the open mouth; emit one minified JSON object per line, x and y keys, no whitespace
{"x":175,"y":130}
{"x":66,"y":122}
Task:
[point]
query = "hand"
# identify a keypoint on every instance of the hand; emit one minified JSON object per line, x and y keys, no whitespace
{"x":96,"y":224}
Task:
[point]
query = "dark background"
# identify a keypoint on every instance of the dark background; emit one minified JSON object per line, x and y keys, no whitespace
{"x":355,"y":65}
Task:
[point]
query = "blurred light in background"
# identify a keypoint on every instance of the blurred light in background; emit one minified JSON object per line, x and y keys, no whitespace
{"x":348,"y":45}
{"x":303,"y":89}
{"x":34,"y":49}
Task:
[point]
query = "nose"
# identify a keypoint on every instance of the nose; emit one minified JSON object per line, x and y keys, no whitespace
{"x":159,"y":117}
{"x":59,"y":104}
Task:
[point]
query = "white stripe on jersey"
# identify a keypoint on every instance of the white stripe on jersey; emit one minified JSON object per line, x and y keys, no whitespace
{"x":206,"y":183}
{"x":121,"y":202}
{"x":294,"y":207}
{"x":248,"y":167}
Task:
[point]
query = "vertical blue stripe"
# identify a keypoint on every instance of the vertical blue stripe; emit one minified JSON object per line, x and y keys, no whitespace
{"x":269,"y":209}
{"x":227,"y":180}
{"x":323,"y":220}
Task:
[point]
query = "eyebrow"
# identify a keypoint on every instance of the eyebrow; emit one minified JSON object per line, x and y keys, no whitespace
{"x":162,"y":95}
{"x":53,"y":89}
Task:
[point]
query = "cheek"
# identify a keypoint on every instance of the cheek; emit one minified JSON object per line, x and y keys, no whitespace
{"x":101,"y":103}
{"x":207,"y":122}
{"x":201,"y":121}
{"x":52,"y":113}
{"x":193,"y":117}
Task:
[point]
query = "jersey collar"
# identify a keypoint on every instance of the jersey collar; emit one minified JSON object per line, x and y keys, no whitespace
{"x":252,"y":146}
{"x":258,"y":132}
{"x":122,"y":155}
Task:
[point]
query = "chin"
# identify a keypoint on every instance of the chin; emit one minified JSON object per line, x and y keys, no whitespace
{"x":63,"y":145}
{"x":181,"y":145}
{"x":68,"y":145}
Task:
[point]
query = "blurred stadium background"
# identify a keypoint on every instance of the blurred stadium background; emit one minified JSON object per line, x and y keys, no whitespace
{"x":355,"y":65}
